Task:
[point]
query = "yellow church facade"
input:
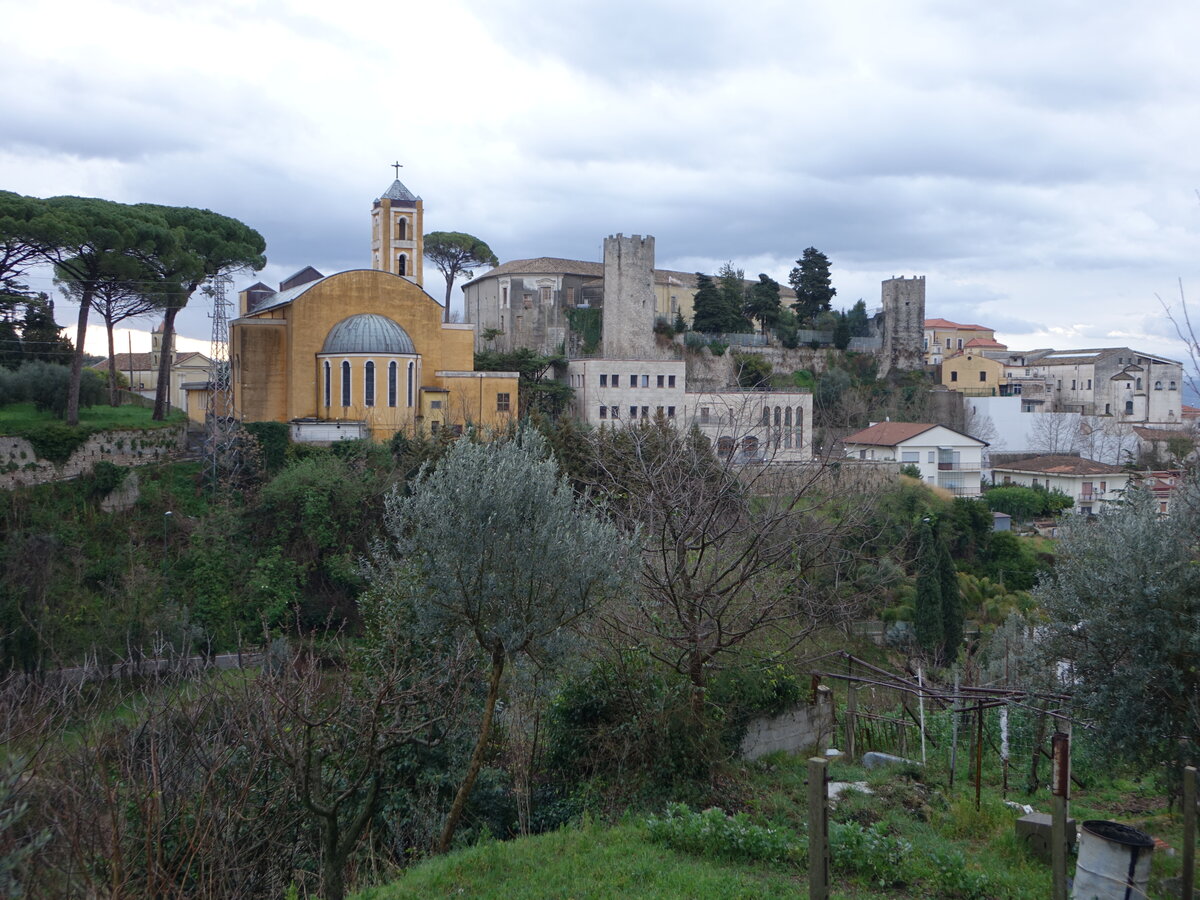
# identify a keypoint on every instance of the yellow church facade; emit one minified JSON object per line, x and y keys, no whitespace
{"x":363,"y":352}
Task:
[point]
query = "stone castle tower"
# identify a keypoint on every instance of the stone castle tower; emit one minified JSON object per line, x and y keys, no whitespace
{"x":398,"y":233}
{"x":903,"y":325}
{"x":629,"y":305}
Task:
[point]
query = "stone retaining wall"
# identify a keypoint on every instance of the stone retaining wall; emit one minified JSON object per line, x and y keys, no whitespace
{"x":807,"y":726}
{"x":19,"y":464}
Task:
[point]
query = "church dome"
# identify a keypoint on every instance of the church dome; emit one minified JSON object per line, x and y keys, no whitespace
{"x":368,"y":333}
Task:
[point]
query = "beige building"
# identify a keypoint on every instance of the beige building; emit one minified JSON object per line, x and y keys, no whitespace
{"x":972,"y":374}
{"x":141,"y":370}
{"x":944,"y":338}
{"x":363,"y":352}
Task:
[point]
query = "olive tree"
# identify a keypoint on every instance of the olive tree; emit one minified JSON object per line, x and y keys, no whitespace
{"x":494,"y":545}
{"x":1123,"y":602}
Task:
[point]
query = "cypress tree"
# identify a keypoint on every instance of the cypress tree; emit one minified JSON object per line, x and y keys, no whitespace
{"x":928,"y":615}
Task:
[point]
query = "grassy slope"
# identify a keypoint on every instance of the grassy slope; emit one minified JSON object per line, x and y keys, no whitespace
{"x":18,"y":417}
{"x":586,"y":862}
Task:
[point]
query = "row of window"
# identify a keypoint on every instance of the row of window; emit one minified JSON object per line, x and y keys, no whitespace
{"x":368,"y":383}
{"x":982,"y":376}
{"x":636,"y":380}
{"x":614,"y":412}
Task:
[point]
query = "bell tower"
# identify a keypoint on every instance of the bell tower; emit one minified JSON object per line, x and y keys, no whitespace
{"x":398,"y":232}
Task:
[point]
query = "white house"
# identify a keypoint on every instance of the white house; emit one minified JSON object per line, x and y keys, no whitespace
{"x":1091,"y":484}
{"x":945,"y":457}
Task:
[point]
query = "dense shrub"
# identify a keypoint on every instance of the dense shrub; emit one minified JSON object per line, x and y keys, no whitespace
{"x":715,"y":835}
{"x":45,"y":385}
{"x":273,"y":440}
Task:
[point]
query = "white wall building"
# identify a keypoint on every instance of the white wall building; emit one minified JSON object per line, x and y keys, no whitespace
{"x":1093,"y":485}
{"x":945,"y":457}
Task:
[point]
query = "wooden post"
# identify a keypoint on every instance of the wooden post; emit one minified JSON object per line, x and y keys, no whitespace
{"x":1060,"y":793}
{"x":818,"y":830}
{"x":978,"y":755}
{"x":1189,"y":833}
{"x":851,"y":720}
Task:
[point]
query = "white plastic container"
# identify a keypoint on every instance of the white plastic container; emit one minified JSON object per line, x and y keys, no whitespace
{"x":1114,"y":862}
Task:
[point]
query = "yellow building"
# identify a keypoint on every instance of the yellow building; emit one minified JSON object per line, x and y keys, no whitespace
{"x":944,"y":338}
{"x":363,"y":352}
{"x":973,"y":374}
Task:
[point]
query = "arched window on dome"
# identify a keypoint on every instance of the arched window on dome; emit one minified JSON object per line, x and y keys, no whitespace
{"x":328,"y":384}
{"x":346,"y":383}
{"x":369,"y":384}
{"x":410,"y":384}
{"x":392,"y":383}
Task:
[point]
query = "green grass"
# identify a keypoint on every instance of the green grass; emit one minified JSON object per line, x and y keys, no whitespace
{"x":585,"y":862}
{"x":19,"y":417}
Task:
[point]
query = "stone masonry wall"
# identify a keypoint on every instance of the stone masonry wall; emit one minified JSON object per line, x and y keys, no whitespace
{"x":19,"y":464}
{"x":629,"y":304}
{"x":804,"y":726}
{"x":903,"y":325}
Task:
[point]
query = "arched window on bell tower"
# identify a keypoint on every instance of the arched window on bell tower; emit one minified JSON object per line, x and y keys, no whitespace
{"x":402,"y":265}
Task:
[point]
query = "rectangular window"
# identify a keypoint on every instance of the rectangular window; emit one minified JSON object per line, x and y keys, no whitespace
{"x":645,"y":412}
{"x":570,"y":296}
{"x":435,"y":404}
{"x":547,"y":294}
{"x":704,"y":413}
{"x":954,"y":376}
{"x":645,"y":381}
{"x":616,"y":380}
{"x":1089,"y":387}
{"x":947,"y":343}
{"x":983,"y":376}
{"x":503,"y":302}
{"x":502,"y":402}
{"x":604,"y":412}
{"x":603,"y":381}
{"x":392,"y":384}
{"x":1072,"y":384}
{"x":633,"y":412}
{"x":369,"y":384}
{"x":960,"y":343}
{"x":615,"y":411}
{"x":670,"y":381}
{"x":932,"y":455}
{"x":658,"y":411}
{"x":910,"y":456}
{"x":661,"y":380}
{"x":670,"y":412}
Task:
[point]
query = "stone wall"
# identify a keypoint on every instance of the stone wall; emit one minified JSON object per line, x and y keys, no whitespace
{"x":801,"y":728}
{"x":629,"y":302}
{"x":19,"y":464}
{"x":903,"y":325}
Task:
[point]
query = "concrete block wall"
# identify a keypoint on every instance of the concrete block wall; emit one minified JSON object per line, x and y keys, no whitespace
{"x":20,"y":465}
{"x":800,"y":728}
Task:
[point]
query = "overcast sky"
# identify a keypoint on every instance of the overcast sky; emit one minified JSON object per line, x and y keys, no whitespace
{"x":1036,"y":161}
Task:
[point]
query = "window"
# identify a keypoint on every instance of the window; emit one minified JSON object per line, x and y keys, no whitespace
{"x":670,"y":412}
{"x":1171,"y":387}
{"x":502,"y":402}
{"x":671,"y":381}
{"x":725,"y":446}
{"x":661,"y":380}
{"x":1072,"y":384}
{"x":658,"y":411}
{"x":401,"y":229}
{"x":1103,"y":486}
{"x":645,"y":412}
{"x":345,"y":383}
{"x":402,"y":265}
{"x":983,"y":376}
{"x":527,"y":301}
{"x":932,"y":455}
{"x":633,"y":412}
{"x":766,"y":415}
{"x":570,"y":296}
{"x":633,"y":381}
{"x":392,"y":383}
{"x":604,"y":412}
{"x":960,"y":343}
{"x":1129,"y":407}
{"x":926,"y":347}
{"x":328,"y":380}
{"x":615,"y":411}
{"x":603,"y":381}
{"x":616,"y":380}
{"x":503,"y":300}
{"x":1139,"y":384}
{"x":1060,"y":384}
{"x":547,"y":294}
{"x":704,"y":413}
{"x":1089,"y":387}
{"x":369,"y":384}
{"x":910,"y":456}
{"x":954,"y":376}
{"x":947,"y":343}
{"x":1158,"y":385}
{"x":435,"y":404}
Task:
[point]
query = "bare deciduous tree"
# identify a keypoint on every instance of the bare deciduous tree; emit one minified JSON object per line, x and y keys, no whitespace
{"x":729,"y":552}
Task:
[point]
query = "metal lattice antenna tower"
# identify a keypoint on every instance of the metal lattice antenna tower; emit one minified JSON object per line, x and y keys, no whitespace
{"x":222,"y":456}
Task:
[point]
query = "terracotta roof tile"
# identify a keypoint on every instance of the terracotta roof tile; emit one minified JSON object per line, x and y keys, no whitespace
{"x":1060,"y":465}
{"x":887,"y":434}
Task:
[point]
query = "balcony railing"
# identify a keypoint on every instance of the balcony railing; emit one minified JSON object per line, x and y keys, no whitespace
{"x":958,"y":467}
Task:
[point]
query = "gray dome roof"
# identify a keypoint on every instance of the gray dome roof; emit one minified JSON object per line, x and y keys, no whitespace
{"x":368,"y":333}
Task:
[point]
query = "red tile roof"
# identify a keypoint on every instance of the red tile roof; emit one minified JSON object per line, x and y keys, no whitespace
{"x":1060,"y":465}
{"x":888,"y":434}
{"x":989,"y":343}
{"x":946,"y":323}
